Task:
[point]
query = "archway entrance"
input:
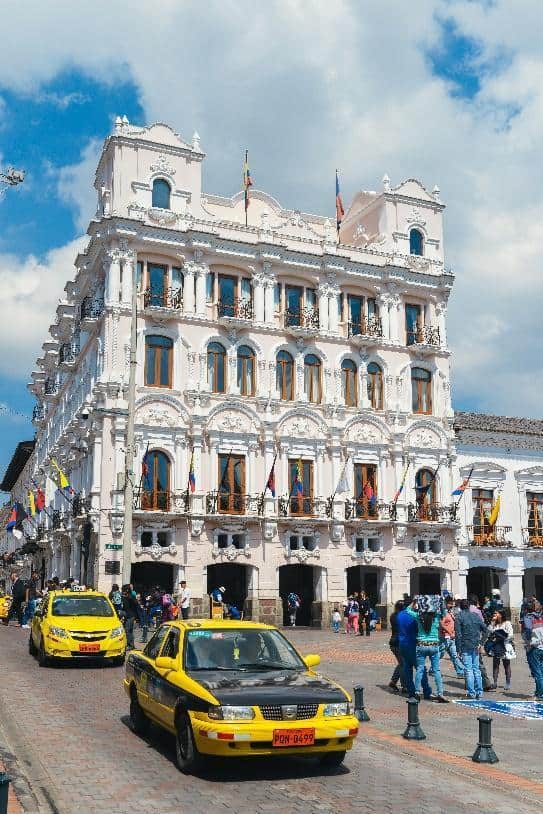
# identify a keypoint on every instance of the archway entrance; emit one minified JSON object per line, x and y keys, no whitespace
{"x":145,"y":576}
{"x":481,"y":580}
{"x":233,"y":577}
{"x":367,"y":579}
{"x":298,"y":579}
{"x":425,"y":581}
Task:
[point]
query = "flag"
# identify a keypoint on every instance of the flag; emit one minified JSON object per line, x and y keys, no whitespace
{"x":464,"y":485}
{"x":192,"y":474}
{"x":12,"y":519}
{"x":369,"y":494}
{"x":339,"y":205}
{"x":270,"y":483}
{"x":343,"y":483}
{"x":40,"y":500}
{"x":31,"y":504}
{"x":495,"y":512}
{"x":16,"y":519}
{"x":247,"y":182}
{"x":63,"y":482}
{"x":145,"y":464}
{"x":402,"y":484}
{"x":299,"y":478}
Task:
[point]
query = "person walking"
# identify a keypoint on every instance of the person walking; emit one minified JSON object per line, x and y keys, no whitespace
{"x":32,"y":594}
{"x":394,"y":645}
{"x":532,"y":634}
{"x":488,"y":686}
{"x":131,"y":613}
{"x":18,"y":595}
{"x":352,"y":615}
{"x":336,"y":619}
{"x":293,"y":603}
{"x":183,"y":600}
{"x":428,"y":619}
{"x":116,"y":599}
{"x":407,"y":640}
{"x":470,"y":632}
{"x":447,"y":637}
{"x":364,"y":613}
{"x":501,"y":639}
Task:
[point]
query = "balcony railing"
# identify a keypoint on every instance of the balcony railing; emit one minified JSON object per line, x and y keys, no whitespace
{"x":371,"y":328}
{"x":80,"y":505}
{"x":91,"y":308}
{"x":230,"y":503}
{"x":489,"y":536}
{"x":431,"y":513}
{"x":51,"y":387}
{"x":38,"y":413}
{"x":424,"y":335}
{"x":303,"y":318}
{"x":301,"y":506}
{"x":68,"y":353}
{"x":163,"y":298}
{"x":361,"y":509}
{"x":533,"y":536}
{"x":162,"y":501}
{"x":235,"y":309}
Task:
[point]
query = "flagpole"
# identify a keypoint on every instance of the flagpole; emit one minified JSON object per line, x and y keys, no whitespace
{"x":271,"y":470}
{"x":339,"y":481}
{"x":457,"y":504}
{"x":246,"y":187}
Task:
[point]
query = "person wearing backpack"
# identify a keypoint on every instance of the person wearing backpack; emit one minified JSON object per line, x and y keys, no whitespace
{"x":293,"y":603}
{"x":116,"y":599}
{"x":532,"y":634}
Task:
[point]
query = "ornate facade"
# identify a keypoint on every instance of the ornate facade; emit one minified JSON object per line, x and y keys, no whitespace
{"x":273,"y":344}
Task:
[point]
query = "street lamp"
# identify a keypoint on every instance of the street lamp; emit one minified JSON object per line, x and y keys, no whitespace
{"x":11,"y":178}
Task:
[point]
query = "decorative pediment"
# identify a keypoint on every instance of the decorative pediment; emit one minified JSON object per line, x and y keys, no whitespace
{"x":159,"y":414}
{"x":301,"y":426}
{"x":364,"y":432}
{"x":424,"y":437}
{"x":232,"y":421}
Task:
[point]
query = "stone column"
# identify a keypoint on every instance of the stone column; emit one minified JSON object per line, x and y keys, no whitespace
{"x":363,"y":399}
{"x":204,"y":385}
{"x":283,"y":486}
{"x":258,"y":297}
{"x":251,"y":485}
{"x":323,"y":307}
{"x":333,"y":312}
{"x":188,"y":289}
{"x":112,"y":268}
{"x":441,"y":315}
{"x":269,"y":302}
{"x":201,"y":275}
{"x":394,"y":325}
{"x":383,"y":314}
{"x":128,"y":272}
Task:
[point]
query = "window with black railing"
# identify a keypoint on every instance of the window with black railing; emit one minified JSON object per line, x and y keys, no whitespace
{"x":235,"y":297}
{"x":155,"y":492}
{"x":92,"y":307}
{"x":301,"y":309}
{"x":231,"y":497}
{"x":301,"y":500}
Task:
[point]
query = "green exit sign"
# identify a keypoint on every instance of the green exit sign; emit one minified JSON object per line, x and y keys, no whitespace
{"x":114,"y":546}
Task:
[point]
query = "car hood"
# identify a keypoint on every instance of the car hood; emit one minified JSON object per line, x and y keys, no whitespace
{"x":255,"y":688}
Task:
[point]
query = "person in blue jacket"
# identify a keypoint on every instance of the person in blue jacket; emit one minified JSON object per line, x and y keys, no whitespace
{"x":406,"y":621}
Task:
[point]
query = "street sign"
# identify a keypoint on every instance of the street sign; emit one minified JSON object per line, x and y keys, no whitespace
{"x":114,"y":546}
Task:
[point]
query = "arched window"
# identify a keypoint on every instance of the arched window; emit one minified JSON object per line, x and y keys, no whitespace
{"x":155,"y":471}
{"x":416,"y":242}
{"x":312,"y":378}
{"x":375,"y":386}
{"x":158,"y":361}
{"x":421,"y":390}
{"x":284,"y":375}
{"x":216,"y":367}
{"x":349,"y":382}
{"x":161,"y":194}
{"x":425,"y":488}
{"x":246,"y":371}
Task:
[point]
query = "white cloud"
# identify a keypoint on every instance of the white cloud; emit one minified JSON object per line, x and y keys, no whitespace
{"x":309,"y":86}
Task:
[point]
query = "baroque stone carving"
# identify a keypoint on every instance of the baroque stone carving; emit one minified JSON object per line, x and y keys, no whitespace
{"x":301,"y":554}
{"x":364,"y":434}
{"x":424,"y":438}
{"x":230,"y":553}
{"x":158,"y":415}
{"x":156,"y":551}
{"x":301,"y":427}
{"x":161,"y":216}
{"x":162,"y":164}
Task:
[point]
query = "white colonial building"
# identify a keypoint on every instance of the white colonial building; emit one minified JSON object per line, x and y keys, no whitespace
{"x":259,"y":343}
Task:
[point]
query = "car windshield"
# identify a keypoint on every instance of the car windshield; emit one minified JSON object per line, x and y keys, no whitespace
{"x":81,"y":606}
{"x":239,"y":650}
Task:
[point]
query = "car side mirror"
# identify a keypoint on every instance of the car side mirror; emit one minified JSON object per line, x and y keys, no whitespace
{"x":165,"y":663}
{"x":312,"y":660}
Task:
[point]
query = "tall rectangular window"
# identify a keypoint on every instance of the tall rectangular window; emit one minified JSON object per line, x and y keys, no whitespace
{"x":413,"y":322}
{"x":356,"y":315}
{"x":421,"y":390}
{"x":482,"y":502}
{"x":139,"y":274}
{"x":301,"y":487}
{"x":365,"y":490}
{"x":535,"y":514}
{"x":158,"y":361}
{"x":231,"y":493}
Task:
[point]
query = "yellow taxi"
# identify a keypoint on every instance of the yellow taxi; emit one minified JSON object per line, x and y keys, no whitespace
{"x":78,"y":624}
{"x":235,"y":689}
{"x":5,"y":602}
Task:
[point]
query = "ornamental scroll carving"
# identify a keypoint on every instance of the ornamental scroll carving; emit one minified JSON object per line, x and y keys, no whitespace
{"x":424,"y":438}
{"x":364,"y":434}
{"x":158,"y":415}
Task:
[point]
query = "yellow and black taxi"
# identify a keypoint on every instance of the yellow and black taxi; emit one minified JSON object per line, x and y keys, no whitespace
{"x":76,"y":624}
{"x":230,"y":689}
{"x":5,"y":603}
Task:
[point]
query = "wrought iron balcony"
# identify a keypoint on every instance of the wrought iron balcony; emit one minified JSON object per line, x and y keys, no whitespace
{"x":51,"y":387}
{"x":371,"y":328}
{"x":91,"y":309}
{"x":533,"y":536}
{"x":38,"y":413}
{"x":235,"y":310}
{"x":495,"y":536}
{"x":424,"y":335}
{"x":361,"y":509}
{"x":301,"y":506}
{"x":171,"y":298}
{"x":80,"y":505}
{"x":302,"y":321}
{"x":162,"y":501}
{"x":230,"y":503}
{"x":68,"y":354}
{"x":431,"y":513}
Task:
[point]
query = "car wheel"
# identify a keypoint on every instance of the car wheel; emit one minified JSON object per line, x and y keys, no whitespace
{"x":189,"y":759}
{"x":333,"y":760}
{"x":43,"y":658}
{"x":31,"y":646}
{"x":138,"y":719}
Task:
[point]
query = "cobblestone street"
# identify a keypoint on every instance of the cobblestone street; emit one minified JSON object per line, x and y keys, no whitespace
{"x":66,"y":741}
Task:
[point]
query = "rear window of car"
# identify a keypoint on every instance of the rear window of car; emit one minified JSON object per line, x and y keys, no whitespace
{"x":81,"y":606}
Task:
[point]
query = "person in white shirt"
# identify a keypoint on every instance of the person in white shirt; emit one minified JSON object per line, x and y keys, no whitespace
{"x":185,"y":595}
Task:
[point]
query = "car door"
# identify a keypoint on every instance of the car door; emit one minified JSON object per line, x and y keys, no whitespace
{"x":146,"y":674}
{"x":165,"y":691}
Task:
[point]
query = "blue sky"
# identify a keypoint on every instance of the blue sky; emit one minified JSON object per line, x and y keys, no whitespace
{"x":454,"y":102}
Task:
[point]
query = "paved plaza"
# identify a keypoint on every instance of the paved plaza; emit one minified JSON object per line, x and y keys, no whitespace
{"x":65,"y":739}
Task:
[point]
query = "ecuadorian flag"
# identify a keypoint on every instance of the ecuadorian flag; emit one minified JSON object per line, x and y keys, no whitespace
{"x":299,"y":477}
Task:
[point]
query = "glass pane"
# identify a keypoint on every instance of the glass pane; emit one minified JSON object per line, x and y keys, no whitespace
{"x":277,"y":296}
{"x":356,"y":308}
{"x":416,"y":406}
{"x":415,"y":242}
{"x":250,"y":377}
{"x":210,"y":279}
{"x":245,"y":289}
{"x":150,"y":364}
{"x":412,"y":322}
{"x":177,"y":279}
{"x":227,"y":290}
{"x":165,"y":367}
{"x":372,"y":308}
{"x":238,"y":476}
{"x":289,"y":369}
{"x":161,"y":194}
{"x":139,"y":274}
{"x":310,"y":297}
{"x":157,"y":284}
{"x":220,"y":373}
{"x":161,"y":472}
{"x":241,"y":377}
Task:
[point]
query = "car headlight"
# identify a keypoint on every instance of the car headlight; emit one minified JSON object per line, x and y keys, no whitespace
{"x":334,"y":710}
{"x":59,"y":632}
{"x":231,"y":713}
{"x":117,"y":631}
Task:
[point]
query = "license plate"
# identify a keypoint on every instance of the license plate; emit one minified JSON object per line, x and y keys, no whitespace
{"x":89,"y":648}
{"x":293,"y":737}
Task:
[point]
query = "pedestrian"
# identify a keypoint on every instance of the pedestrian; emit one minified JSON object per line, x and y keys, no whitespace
{"x":364,"y":611}
{"x":183,"y":600}
{"x":488,"y":686}
{"x":167,"y":604}
{"x":352,"y":615}
{"x":18,"y":595}
{"x":407,"y":640}
{"x":32,"y":594}
{"x":532,"y":635}
{"x":336,"y":619}
{"x":131,"y":613}
{"x":116,"y":599}
{"x":447,"y":637}
{"x":394,"y":645}
{"x":346,"y":614}
{"x":293,"y":603}
{"x":428,"y":619}
{"x":501,"y":640}
{"x":470,"y":632}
